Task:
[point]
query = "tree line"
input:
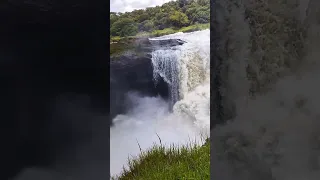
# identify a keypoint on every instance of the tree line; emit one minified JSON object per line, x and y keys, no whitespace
{"x":174,"y":14}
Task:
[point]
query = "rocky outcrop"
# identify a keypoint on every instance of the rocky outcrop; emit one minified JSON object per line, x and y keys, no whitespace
{"x":166,"y":43}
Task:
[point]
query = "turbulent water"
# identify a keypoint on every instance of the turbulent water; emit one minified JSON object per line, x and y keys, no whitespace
{"x":186,"y":69}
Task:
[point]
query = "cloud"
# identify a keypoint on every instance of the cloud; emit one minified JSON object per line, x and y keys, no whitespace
{"x":130,"y":5}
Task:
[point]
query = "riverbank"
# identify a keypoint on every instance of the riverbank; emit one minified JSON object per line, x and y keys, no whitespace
{"x":157,"y":33}
{"x":120,"y":44}
{"x":185,"y":162}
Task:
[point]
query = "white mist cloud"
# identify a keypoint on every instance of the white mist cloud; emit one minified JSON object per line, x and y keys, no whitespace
{"x":148,"y":119}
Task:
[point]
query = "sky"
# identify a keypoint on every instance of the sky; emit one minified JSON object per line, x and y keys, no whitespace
{"x":130,"y":5}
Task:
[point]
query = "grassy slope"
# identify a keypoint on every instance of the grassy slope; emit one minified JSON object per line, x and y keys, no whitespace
{"x":160,"y":163}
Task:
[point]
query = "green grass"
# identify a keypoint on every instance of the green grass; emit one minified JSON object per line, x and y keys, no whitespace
{"x":115,"y":38}
{"x":174,"y":163}
{"x":163,"y":32}
{"x":196,"y":27}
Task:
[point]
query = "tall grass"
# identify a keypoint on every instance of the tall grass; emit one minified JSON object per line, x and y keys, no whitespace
{"x":190,"y":161}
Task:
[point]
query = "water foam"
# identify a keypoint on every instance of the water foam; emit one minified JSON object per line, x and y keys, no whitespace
{"x":193,"y":63}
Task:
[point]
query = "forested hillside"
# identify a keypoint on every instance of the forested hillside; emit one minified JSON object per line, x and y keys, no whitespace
{"x":173,"y":15}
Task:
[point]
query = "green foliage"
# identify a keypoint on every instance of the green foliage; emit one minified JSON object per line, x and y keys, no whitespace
{"x":185,"y":162}
{"x":179,"y":19}
{"x":168,"y":17}
{"x":182,"y":3}
{"x":124,"y":27}
{"x":148,"y":25}
{"x":196,"y":27}
{"x":113,"y":17}
{"x":115,"y":38}
{"x":199,"y":14}
{"x":166,"y":31}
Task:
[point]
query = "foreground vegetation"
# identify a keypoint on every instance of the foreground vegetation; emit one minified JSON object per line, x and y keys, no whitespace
{"x":160,"y":163}
{"x":160,"y":20}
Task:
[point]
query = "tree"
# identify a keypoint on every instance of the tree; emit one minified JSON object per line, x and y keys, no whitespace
{"x":204,"y":2}
{"x":113,"y":18}
{"x":124,"y":27}
{"x":161,"y":20}
{"x":182,"y":3}
{"x":199,"y":14}
{"x":179,"y":19}
{"x":202,"y":15}
{"x":148,"y":25}
{"x":175,"y":14}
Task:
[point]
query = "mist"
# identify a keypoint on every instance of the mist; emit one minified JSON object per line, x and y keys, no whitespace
{"x":148,"y":118}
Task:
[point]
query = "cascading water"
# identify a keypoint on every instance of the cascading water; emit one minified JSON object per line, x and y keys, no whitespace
{"x":186,"y":69}
{"x":165,"y":66}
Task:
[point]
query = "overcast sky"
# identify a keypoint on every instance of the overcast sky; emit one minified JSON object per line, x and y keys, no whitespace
{"x":130,"y":5}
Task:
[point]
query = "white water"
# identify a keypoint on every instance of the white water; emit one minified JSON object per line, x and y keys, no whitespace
{"x":150,"y":118}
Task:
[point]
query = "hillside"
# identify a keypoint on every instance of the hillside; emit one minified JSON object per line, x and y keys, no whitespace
{"x":180,"y":15}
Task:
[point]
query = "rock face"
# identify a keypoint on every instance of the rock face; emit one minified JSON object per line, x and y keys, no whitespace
{"x":167,"y":43}
{"x":132,"y":72}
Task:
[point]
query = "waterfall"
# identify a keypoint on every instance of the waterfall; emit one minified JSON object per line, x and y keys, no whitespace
{"x":186,"y":69}
{"x":165,"y":66}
